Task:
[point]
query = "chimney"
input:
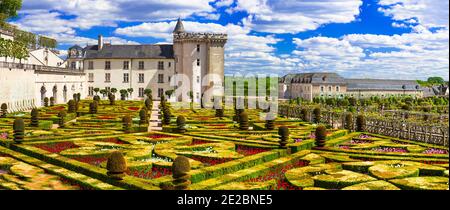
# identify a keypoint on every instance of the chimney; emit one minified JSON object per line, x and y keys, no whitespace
{"x":100,"y":42}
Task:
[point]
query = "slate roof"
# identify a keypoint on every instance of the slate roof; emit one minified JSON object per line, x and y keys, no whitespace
{"x":77,"y":47}
{"x":179,"y":28}
{"x":315,"y":78}
{"x":382,"y":84}
{"x":129,"y":51}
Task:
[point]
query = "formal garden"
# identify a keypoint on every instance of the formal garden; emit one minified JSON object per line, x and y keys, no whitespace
{"x":326,"y":145}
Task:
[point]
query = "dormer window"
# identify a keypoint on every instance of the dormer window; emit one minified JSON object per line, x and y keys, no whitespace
{"x":324,"y":78}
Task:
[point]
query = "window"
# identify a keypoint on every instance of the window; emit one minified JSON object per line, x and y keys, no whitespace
{"x":91,"y":91}
{"x":141,"y":78}
{"x":160,"y":78}
{"x":107,"y":65}
{"x":197,"y":95}
{"x":107,"y":77}
{"x":126,"y":65}
{"x":198,"y":48}
{"x":160,"y":65}
{"x":337,"y":89}
{"x":169,"y":78}
{"x":170,"y":64}
{"x":91,"y":65}
{"x":198,"y":62}
{"x":108,"y":89}
{"x":329,"y":88}
{"x":141,"y":92}
{"x":126,"y":77}
{"x":91,"y":77}
{"x":73,"y":65}
{"x":321,"y":88}
{"x":160,"y":92}
{"x":198,"y":79}
{"x":141,"y":65}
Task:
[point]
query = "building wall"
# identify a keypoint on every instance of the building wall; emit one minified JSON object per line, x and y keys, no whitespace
{"x":21,"y":89}
{"x":117,"y":72}
{"x":386,"y":93}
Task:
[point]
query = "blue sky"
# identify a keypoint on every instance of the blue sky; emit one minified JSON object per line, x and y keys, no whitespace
{"x":392,"y":39}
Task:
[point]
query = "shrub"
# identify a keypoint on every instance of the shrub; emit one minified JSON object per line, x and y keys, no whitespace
{"x":19,"y":130}
{"x":321,"y":135}
{"x":78,"y":96}
{"x":283,"y":132}
{"x":304,"y":113}
{"x":148,"y":103}
{"x":181,"y":124}
{"x":112,"y":99}
{"x":52,"y":101}
{"x":317,"y":114}
{"x":360,"y":123}
{"x":61,"y":115}
{"x":46,"y":101}
{"x":143,"y":116}
{"x":71,"y":106}
{"x":93,"y":107}
{"x":116,"y":165}
{"x":406,"y":107}
{"x":166,"y":114}
{"x":243,"y":123}
{"x":97,"y":98}
{"x":270,"y":121}
{"x":126,"y":123}
{"x":352,"y":101}
{"x":237,"y":114}
{"x":4,"y":109}
{"x":180,"y":173}
{"x":349,"y":121}
{"x":35,"y":117}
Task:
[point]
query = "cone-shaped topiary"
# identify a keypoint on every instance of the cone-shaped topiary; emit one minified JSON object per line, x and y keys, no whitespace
{"x":71,"y":106}
{"x":243,"y":123}
{"x":75,"y":97}
{"x":360,"y":123}
{"x":112,"y":99}
{"x":116,"y":165}
{"x":166,"y":114}
{"x":349,"y":121}
{"x":181,"y":124}
{"x":180,"y":173}
{"x":52,"y":101}
{"x":93,"y":107}
{"x":270,"y":121}
{"x":304,"y":114}
{"x":321,"y":135}
{"x":220,"y":112}
{"x":97,"y":98}
{"x":61,"y":120}
{"x":317,"y":114}
{"x":237,"y":114}
{"x":4,"y":109}
{"x":148,"y":103}
{"x":143,"y":116}
{"x":19,"y":130}
{"x":78,"y":96}
{"x":126,"y":122}
{"x":35,"y":117}
{"x":283,"y":132}
{"x":46,"y":101}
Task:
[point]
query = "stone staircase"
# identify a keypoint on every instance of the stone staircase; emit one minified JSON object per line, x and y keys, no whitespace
{"x":155,"y":123}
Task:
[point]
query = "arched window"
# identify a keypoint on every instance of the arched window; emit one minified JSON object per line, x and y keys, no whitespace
{"x":43,"y":91}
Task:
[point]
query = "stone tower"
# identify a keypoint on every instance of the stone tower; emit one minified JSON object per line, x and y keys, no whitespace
{"x":198,"y":55}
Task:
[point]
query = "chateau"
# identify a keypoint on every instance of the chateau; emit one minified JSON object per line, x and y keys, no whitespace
{"x":194,"y":62}
{"x":311,"y":85}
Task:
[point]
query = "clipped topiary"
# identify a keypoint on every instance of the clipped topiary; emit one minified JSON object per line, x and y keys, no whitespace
{"x":180,"y":173}
{"x":52,"y":101}
{"x":304,"y":114}
{"x":61,"y":120}
{"x":148,"y":103}
{"x":71,"y":106}
{"x":317,"y":114}
{"x":46,"y":101}
{"x":349,"y":121}
{"x":4,"y":109}
{"x":112,"y":99}
{"x":116,"y":165}
{"x":237,"y":114}
{"x":321,"y":135}
{"x":143,"y":116}
{"x":19,"y":130}
{"x":97,"y":98}
{"x":360,"y":123}
{"x":166,"y":114}
{"x":283,"y":132}
{"x":270,"y":121}
{"x":181,"y":124}
{"x":243,"y":123}
{"x":126,"y":123}
{"x":34,"y":117}
{"x":93,"y":107}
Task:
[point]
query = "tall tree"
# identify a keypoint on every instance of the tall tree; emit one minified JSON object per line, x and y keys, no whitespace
{"x":9,"y":8}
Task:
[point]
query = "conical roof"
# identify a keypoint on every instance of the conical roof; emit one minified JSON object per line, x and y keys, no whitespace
{"x":179,"y":28}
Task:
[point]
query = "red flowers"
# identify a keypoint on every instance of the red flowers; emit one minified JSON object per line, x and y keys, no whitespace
{"x":249,"y":150}
{"x":57,"y":147}
{"x":133,"y":108}
{"x":114,"y":140}
{"x":153,"y":173}
{"x":96,"y":161}
{"x":160,"y":136}
{"x":198,"y":142}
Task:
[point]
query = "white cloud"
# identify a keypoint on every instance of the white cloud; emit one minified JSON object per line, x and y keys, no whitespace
{"x":290,"y":16}
{"x":224,"y":3}
{"x":430,"y":13}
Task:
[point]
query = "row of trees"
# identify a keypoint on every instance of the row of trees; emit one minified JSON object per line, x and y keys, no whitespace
{"x":13,"y":49}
